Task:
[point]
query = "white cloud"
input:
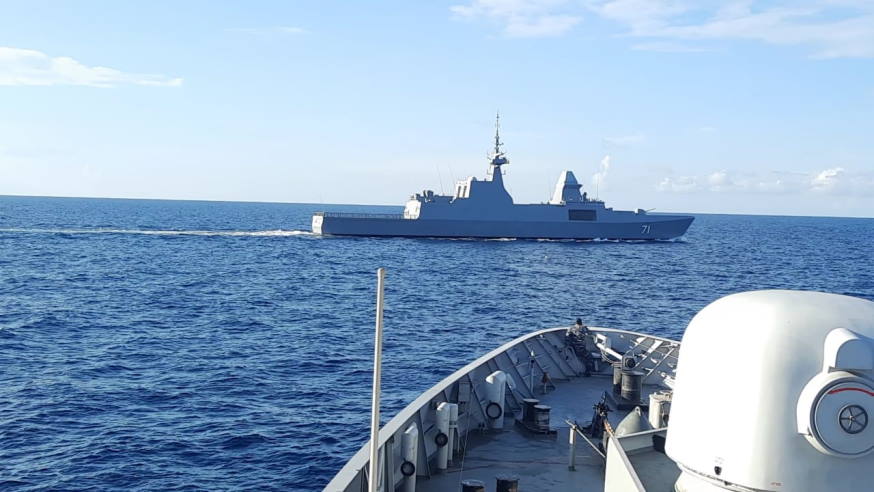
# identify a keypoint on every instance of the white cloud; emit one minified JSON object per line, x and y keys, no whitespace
{"x":31,"y":67}
{"x":719,"y":181}
{"x":828,"y":28}
{"x":642,"y":16}
{"x":543,"y":26}
{"x":599,"y":178}
{"x":507,"y":8}
{"x":835,"y":180}
{"x":723,"y":181}
{"x":668,"y":47}
{"x":680,"y":184}
{"x":267,"y":31}
{"x":523,"y":18}
{"x":828,"y":180}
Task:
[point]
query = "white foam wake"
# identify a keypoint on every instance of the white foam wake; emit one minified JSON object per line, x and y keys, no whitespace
{"x":151,"y":232}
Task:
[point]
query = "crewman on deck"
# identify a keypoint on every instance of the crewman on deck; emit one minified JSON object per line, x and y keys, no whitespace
{"x":576,"y":336}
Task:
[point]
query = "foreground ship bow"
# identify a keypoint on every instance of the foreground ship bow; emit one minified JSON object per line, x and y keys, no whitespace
{"x":772,"y":391}
{"x":484,"y":209}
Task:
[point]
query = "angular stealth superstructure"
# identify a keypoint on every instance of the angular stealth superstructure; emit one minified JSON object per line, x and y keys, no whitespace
{"x":484,"y":209}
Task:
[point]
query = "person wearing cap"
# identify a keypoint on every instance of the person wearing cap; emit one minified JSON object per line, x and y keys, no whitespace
{"x":578,"y":329}
{"x":576,"y":338}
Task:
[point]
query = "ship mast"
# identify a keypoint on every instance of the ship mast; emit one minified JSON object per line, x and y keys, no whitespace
{"x":498,"y":142}
{"x":497,"y":158}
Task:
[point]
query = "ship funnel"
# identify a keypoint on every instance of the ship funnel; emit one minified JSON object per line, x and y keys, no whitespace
{"x":775,"y":391}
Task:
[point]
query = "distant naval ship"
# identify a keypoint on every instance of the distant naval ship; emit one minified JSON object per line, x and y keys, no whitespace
{"x":484,"y":209}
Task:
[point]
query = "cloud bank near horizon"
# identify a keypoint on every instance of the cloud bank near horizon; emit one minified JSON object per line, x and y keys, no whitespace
{"x":826,"y":28}
{"x":24,"y":67}
{"x":833,"y":181}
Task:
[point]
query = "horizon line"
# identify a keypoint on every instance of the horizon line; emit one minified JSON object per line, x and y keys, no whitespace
{"x":394,"y":205}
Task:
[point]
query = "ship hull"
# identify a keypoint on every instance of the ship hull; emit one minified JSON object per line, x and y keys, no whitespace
{"x":654,"y":228}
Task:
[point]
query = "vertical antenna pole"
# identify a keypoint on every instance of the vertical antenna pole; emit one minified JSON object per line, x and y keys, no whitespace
{"x":373,"y":478}
{"x":497,"y":133}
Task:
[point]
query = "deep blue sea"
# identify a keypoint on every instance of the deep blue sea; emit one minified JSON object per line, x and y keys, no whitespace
{"x":183,"y":345}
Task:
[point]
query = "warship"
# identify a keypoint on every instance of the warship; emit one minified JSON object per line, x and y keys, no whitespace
{"x":484,"y":209}
{"x":772,"y":391}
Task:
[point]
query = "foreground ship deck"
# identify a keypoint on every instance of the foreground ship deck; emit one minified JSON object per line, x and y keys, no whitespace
{"x":538,"y":460}
{"x":484,"y":209}
{"x":773,"y":392}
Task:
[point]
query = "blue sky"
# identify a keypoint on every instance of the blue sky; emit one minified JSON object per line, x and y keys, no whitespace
{"x":696,"y":106}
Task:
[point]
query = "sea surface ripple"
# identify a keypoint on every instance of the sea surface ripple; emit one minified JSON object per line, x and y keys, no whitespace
{"x":180,"y":345}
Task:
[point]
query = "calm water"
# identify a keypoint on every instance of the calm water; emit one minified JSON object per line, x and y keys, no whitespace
{"x":167,"y":345}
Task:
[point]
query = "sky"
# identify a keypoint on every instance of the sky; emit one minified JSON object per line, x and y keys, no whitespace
{"x":673,"y":105}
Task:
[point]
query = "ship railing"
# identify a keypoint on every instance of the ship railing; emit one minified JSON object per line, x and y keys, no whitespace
{"x":353,"y":215}
{"x":619,"y":472}
{"x":469,"y":381}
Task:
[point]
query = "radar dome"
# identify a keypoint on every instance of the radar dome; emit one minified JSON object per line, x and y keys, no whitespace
{"x":774,"y":391}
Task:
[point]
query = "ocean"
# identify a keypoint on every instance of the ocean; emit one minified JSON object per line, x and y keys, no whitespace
{"x":185,"y":345}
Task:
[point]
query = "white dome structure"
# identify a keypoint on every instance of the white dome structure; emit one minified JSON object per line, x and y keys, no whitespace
{"x":775,"y":391}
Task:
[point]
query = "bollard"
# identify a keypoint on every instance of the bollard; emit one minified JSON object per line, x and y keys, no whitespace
{"x":541,"y":417}
{"x":473,"y":486}
{"x":632,"y":385}
{"x":617,"y":378}
{"x":507,"y":483}
{"x":528,"y":409}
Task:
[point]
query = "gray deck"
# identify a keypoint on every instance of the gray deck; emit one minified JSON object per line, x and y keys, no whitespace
{"x":541,"y":462}
{"x":657,"y":472}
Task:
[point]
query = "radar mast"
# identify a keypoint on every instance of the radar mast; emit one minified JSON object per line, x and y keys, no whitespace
{"x":497,"y":159}
{"x":498,"y":142}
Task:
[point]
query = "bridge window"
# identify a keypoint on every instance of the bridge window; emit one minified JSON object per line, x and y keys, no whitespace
{"x":581,"y":215}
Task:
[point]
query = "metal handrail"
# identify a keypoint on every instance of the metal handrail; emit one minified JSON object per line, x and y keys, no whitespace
{"x":613,"y":443}
{"x":353,"y":215}
{"x":574,"y":431}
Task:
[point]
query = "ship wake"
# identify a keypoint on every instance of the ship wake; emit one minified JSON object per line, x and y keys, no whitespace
{"x":158,"y":232}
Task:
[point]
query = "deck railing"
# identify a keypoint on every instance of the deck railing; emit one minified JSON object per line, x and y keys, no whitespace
{"x":466,"y":387}
{"x":619,"y":473}
{"x":351,"y":215}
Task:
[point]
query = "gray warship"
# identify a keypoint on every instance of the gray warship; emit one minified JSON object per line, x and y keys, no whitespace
{"x":484,"y":209}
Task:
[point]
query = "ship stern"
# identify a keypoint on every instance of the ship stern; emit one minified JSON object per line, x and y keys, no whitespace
{"x":318,"y":218}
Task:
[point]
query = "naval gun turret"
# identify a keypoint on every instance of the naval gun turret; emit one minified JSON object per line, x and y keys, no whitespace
{"x":775,"y":391}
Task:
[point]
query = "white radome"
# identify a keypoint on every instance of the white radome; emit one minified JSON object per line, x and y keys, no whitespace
{"x":774,"y":391}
